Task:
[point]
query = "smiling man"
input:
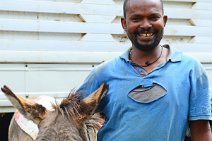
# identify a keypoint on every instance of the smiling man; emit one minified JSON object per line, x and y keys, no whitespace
{"x":144,"y":23}
{"x":155,"y":92}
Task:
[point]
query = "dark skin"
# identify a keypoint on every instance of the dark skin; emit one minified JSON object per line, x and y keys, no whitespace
{"x":144,"y":24}
{"x":200,"y":130}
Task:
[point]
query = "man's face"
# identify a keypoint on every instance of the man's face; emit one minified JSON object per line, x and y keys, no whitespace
{"x":144,"y":23}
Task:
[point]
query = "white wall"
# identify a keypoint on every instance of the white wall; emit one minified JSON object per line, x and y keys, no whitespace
{"x":49,"y":46}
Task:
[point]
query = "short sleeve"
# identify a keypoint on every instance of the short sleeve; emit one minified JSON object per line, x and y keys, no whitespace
{"x":200,"y":98}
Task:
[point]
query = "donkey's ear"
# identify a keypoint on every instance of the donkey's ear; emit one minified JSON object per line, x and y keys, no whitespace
{"x":28,"y":108}
{"x":92,"y":101}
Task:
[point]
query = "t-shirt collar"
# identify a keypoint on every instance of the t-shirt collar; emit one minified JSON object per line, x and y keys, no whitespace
{"x":174,"y":54}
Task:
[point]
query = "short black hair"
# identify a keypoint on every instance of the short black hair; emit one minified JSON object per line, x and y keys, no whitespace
{"x":125,"y":7}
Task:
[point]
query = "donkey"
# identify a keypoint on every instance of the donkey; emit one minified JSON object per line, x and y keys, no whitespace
{"x":71,"y":120}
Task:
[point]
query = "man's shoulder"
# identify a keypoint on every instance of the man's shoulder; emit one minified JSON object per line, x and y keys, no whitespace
{"x":108,"y":64}
{"x":184,"y":57}
{"x":190,"y":58}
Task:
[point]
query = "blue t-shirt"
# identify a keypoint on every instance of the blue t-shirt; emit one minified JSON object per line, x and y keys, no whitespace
{"x":155,"y":107}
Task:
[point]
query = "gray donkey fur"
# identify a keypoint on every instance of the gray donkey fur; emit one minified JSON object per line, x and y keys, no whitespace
{"x":72,"y":120}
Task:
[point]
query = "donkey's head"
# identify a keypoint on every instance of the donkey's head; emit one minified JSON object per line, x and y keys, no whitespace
{"x":65,"y":123}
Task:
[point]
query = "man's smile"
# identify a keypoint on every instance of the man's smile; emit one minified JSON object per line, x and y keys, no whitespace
{"x":146,"y":36}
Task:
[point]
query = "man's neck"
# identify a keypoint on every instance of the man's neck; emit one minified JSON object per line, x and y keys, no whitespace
{"x":143,"y":58}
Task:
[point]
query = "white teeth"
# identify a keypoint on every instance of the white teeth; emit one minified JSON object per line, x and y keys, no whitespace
{"x":147,"y":34}
{"x":150,"y":34}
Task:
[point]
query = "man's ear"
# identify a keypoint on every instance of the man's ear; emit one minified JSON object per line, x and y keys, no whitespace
{"x":124,"y":24}
{"x":165,"y":19}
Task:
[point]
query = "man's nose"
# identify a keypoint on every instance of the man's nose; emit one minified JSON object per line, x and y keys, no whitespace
{"x":145,"y":24}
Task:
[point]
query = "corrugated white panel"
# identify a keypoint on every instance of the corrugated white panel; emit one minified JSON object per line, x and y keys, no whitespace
{"x":49,"y":46}
{"x":67,"y":22}
{"x":93,"y":28}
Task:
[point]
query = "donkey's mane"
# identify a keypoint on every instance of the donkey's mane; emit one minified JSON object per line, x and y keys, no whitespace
{"x":70,"y":106}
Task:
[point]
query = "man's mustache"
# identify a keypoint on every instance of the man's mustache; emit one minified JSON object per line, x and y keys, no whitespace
{"x":142,"y":30}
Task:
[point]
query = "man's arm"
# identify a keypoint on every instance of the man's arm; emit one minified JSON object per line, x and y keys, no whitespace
{"x":200,"y":130}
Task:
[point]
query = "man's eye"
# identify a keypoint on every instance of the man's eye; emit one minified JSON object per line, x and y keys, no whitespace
{"x":154,"y":18}
{"x":135,"y":19}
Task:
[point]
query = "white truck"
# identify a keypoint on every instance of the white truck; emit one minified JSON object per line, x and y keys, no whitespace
{"x":47,"y":47}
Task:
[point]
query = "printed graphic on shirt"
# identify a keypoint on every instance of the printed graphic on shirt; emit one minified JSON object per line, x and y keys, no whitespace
{"x":147,"y":94}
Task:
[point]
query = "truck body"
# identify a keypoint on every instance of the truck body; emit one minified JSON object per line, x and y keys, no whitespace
{"x":49,"y":46}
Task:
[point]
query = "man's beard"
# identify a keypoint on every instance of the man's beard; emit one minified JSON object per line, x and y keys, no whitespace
{"x":146,"y":47}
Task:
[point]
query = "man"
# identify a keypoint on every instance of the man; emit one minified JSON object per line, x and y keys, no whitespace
{"x":155,"y":93}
